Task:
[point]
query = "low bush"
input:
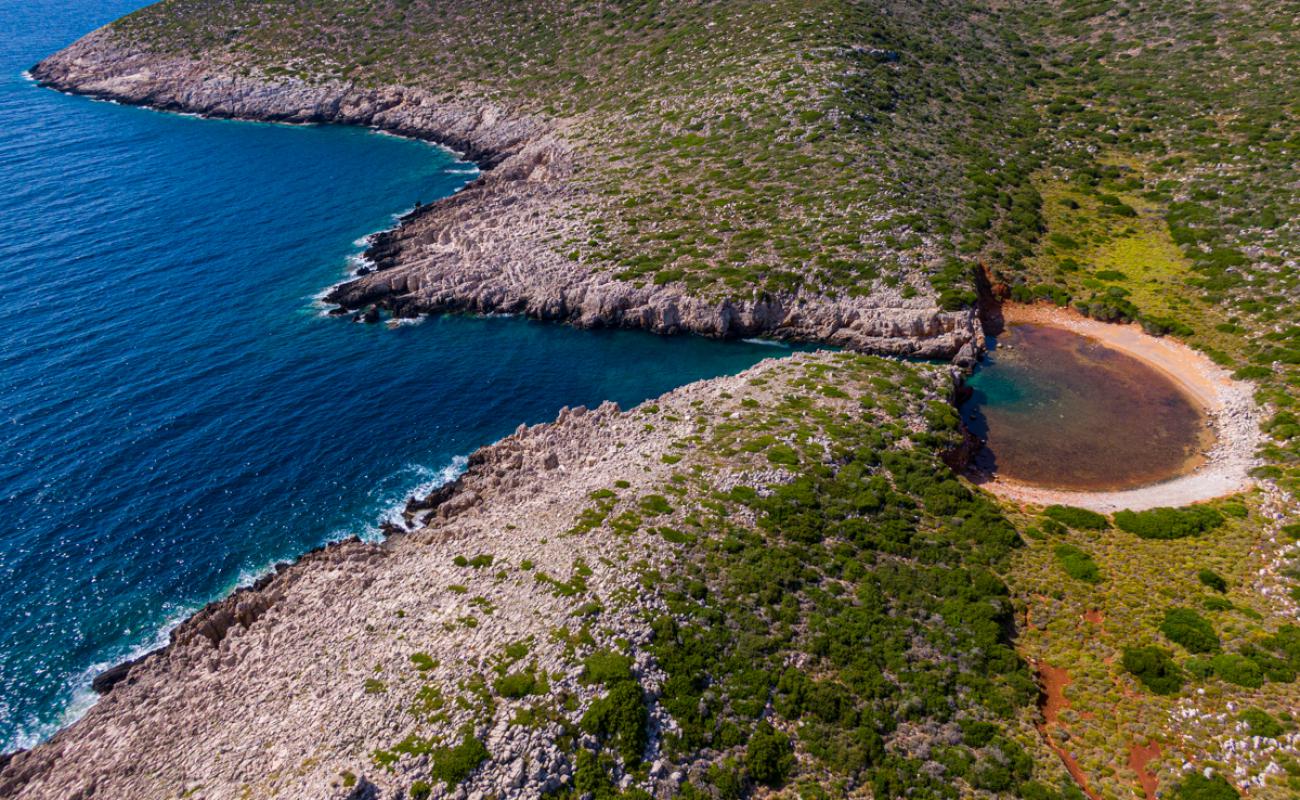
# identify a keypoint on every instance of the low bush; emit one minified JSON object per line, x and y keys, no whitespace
{"x":1169,"y":523}
{"x":1078,"y":564}
{"x":1198,"y":787}
{"x":607,"y":667}
{"x":1078,"y":518}
{"x":1238,"y":670}
{"x":1213,"y":580}
{"x":516,"y":685}
{"x":769,"y":756}
{"x":619,"y":720}
{"x":1261,"y":723}
{"x":1191,"y":630}
{"x":1154,"y":668}
{"x":452,"y":765}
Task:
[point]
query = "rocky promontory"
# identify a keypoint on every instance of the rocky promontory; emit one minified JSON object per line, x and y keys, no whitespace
{"x":492,"y":246}
{"x":362,"y":669}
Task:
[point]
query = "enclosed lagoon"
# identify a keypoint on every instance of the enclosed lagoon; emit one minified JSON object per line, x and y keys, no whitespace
{"x":1060,"y":410}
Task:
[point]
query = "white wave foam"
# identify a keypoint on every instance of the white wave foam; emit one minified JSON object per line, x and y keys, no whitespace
{"x":768,"y":343}
{"x":429,"y":478}
{"x":83,"y":696}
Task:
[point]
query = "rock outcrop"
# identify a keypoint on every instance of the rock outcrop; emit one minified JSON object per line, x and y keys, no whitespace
{"x":486,"y":249}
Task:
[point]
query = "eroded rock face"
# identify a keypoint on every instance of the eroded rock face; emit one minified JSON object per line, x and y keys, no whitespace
{"x":484,"y":250}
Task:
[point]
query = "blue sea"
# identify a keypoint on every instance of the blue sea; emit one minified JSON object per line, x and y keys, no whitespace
{"x":176,"y":414}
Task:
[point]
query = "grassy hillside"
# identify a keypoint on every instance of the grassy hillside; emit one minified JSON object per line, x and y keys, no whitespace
{"x":734,"y":145}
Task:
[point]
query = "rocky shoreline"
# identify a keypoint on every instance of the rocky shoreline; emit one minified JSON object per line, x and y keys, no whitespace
{"x":485,"y":249}
{"x":299,"y":683}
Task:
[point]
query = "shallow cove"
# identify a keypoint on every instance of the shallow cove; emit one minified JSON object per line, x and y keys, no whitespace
{"x":1060,"y":410}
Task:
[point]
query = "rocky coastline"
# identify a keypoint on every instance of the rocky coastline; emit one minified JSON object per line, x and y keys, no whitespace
{"x":297,"y":684}
{"x":486,"y":249}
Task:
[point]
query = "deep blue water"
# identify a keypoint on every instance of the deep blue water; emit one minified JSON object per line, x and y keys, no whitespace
{"x":175,"y":413}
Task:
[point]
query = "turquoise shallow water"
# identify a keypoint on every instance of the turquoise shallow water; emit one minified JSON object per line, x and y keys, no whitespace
{"x":175,"y":414}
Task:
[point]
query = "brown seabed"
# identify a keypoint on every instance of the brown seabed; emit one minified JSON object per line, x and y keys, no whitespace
{"x":1229,"y":404}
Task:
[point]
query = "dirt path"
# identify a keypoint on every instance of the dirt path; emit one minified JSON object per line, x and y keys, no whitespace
{"x":1228,"y":402}
{"x":1054,"y":680}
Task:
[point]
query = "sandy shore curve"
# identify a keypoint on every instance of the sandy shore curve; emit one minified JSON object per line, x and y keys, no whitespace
{"x":1229,"y":405}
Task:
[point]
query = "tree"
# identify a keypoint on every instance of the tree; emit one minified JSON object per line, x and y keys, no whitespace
{"x":769,"y":756}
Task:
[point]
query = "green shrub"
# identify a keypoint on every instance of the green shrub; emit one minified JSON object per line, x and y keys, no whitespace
{"x":727,"y":780}
{"x":1191,"y":630}
{"x":1078,"y":518}
{"x":1154,"y":668}
{"x":1198,"y":787}
{"x":420,"y":790}
{"x":1261,"y":724}
{"x":606,"y":666}
{"x":516,"y":685}
{"x":619,"y":720}
{"x":1169,"y":523}
{"x":655,"y":504}
{"x":782,"y":454}
{"x":452,"y":765}
{"x":1213,"y":580}
{"x":1078,"y":564}
{"x":769,"y":756}
{"x":1237,"y":669}
{"x":423,"y":661}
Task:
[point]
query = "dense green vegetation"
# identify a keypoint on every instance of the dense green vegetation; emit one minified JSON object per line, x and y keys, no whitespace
{"x":1198,"y":787}
{"x":1169,"y":523}
{"x":1078,"y":518}
{"x":873,"y":556}
{"x":1154,"y":668}
{"x":1191,"y":630}
{"x":1078,"y":564}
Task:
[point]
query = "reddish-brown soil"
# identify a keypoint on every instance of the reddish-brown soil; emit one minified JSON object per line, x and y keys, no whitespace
{"x":1138,"y":758}
{"x":1054,"y":680}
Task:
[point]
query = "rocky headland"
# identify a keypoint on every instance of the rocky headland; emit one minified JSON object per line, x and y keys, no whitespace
{"x":491,"y":247}
{"x":353,"y":672}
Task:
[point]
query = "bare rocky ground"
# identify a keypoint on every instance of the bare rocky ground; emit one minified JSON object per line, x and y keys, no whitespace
{"x":289,"y":688}
{"x":488,"y":248}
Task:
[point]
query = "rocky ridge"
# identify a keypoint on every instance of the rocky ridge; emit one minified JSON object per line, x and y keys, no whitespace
{"x":488,"y":248}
